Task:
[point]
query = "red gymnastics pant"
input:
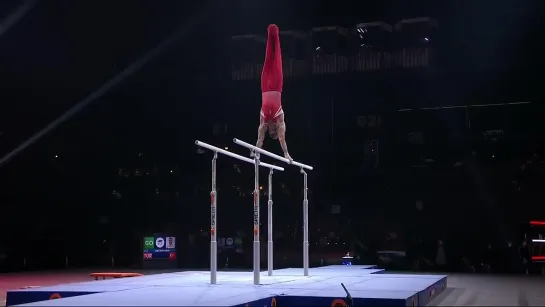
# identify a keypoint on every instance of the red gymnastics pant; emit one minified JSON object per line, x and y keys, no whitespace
{"x":272,"y":78}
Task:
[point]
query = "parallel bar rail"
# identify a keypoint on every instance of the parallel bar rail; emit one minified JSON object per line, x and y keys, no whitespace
{"x":270,"y":154}
{"x":234,"y":155}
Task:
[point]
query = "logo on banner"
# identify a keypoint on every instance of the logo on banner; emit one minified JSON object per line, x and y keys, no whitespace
{"x":229,"y":241}
{"x":55,"y":296}
{"x":171,"y":242}
{"x":256,"y":213}
{"x":338,"y":303}
{"x":432,"y":293}
{"x":212,"y":213}
{"x":148,"y":243}
{"x":160,"y":242}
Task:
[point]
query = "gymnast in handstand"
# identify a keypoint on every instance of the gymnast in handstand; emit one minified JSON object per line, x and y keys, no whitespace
{"x":272,"y":79}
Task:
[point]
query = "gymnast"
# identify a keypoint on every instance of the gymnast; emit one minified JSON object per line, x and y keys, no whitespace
{"x":272,"y":116}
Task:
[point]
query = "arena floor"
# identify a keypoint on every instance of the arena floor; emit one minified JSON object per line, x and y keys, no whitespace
{"x":12,"y":281}
{"x":492,"y":290}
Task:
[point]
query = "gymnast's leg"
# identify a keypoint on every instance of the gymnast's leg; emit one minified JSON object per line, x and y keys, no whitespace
{"x":272,"y":78}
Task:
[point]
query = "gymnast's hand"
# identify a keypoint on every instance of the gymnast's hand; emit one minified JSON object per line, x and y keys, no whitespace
{"x":287,"y":156}
{"x":254,"y":154}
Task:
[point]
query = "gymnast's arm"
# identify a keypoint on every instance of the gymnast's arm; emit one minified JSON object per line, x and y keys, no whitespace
{"x":261,"y":132}
{"x":282,"y":136}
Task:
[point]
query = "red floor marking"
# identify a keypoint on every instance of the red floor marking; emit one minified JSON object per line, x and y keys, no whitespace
{"x":21,"y":280}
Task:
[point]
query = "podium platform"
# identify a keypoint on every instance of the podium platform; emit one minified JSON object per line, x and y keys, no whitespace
{"x":287,"y":287}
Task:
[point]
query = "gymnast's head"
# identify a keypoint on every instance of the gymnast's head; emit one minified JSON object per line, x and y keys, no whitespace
{"x":273,"y":130}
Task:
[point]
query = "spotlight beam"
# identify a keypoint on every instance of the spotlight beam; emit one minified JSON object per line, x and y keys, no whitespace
{"x":182,"y":31}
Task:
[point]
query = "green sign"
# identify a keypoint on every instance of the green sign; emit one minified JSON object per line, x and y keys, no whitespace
{"x":149,"y":243}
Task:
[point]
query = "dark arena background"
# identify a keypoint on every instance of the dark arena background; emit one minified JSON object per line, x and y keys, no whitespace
{"x":423,"y":122}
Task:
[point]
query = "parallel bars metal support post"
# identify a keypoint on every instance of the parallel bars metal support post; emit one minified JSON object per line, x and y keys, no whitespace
{"x":257,"y":257}
{"x":258,"y":151}
{"x":305,"y":224}
{"x":213,"y":216}
{"x":270,"y":261}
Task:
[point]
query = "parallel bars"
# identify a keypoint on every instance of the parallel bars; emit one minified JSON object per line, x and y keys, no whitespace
{"x":305,"y":205}
{"x":213,"y":216}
